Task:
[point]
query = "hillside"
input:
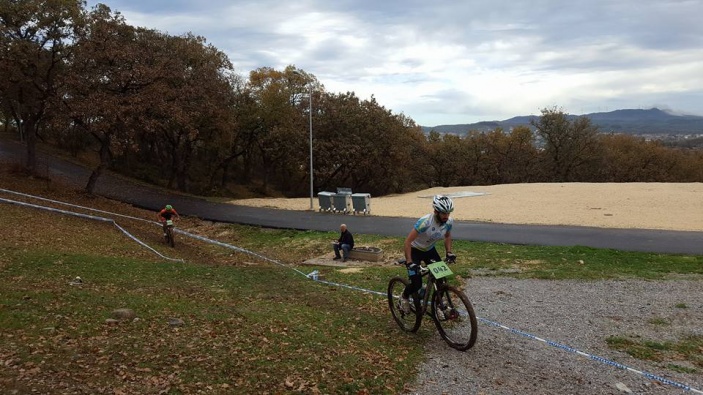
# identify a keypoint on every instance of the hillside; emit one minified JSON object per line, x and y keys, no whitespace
{"x":631,"y":121}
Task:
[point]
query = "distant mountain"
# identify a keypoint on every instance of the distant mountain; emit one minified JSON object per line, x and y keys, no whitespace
{"x":652,"y":121}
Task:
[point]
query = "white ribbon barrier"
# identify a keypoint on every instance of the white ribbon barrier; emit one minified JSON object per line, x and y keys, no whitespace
{"x":70,"y":205}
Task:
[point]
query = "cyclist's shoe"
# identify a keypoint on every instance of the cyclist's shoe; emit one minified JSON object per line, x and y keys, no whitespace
{"x":405,"y":305}
{"x":440,"y":315}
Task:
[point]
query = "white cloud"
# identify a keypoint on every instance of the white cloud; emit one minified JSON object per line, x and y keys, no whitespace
{"x":448,"y":62}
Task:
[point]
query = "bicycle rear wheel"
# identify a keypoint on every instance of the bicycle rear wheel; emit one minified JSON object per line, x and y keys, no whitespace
{"x":409,"y":322}
{"x":455,"y":317}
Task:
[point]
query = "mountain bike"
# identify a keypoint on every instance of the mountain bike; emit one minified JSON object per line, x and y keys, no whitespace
{"x":169,"y":233}
{"x":448,"y":306}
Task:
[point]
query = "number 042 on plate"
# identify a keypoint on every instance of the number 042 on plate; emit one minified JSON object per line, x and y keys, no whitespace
{"x":440,"y":269}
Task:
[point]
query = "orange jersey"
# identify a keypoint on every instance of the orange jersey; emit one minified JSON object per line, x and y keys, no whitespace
{"x":167,"y":214}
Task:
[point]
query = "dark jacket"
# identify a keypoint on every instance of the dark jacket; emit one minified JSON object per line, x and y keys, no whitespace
{"x":346,"y":238}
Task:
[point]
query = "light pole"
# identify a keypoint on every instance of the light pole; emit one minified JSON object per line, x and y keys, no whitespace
{"x":310,"y":118}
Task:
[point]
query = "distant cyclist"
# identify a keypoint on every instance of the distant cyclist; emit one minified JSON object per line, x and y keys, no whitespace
{"x":167,"y":213}
{"x":420,"y":244}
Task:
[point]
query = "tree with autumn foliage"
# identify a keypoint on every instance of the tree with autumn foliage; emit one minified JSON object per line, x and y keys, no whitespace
{"x":277,"y":126}
{"x":362,"y":145}
{"x":570,"y":147}
{"x":104,"y":96}
{"x":138,"y":90}
{"x":35,"y":45}
{"x":626,"y":158}
{"x":502,"y":157}
{"x":191,"y":108}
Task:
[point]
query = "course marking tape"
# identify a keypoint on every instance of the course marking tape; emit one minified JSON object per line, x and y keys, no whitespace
{"x":72,"y":205}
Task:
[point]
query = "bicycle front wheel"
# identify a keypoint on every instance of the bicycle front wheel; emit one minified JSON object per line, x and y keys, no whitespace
{"x":169,"y":236}
{"x":455,"y":318}
{"x":410,"y":321}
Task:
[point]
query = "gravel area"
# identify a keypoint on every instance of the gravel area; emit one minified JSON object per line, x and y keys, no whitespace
{"x":581,"y":315}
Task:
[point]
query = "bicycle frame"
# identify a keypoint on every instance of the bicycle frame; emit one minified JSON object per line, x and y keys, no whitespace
{"x":431,"y":286}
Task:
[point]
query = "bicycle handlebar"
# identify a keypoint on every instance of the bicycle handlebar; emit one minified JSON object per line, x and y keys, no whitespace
{"x":403,"y":261}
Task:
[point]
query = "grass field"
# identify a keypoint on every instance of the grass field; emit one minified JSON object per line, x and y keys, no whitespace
{"x":224,"y":321}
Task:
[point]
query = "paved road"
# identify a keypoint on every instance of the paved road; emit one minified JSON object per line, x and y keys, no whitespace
{"x":142,"y":196}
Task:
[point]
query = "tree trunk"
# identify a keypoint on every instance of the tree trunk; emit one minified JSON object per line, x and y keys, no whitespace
{"x":182,"y":166}
{"x":90,"y":187}
{"x":224,"y":166}
{"x":7,"y":123}
{"x":29,"y":129}
{"x":105,"y":157}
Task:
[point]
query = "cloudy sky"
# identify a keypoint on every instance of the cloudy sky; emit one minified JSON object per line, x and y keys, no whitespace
{"x":449,"y":62}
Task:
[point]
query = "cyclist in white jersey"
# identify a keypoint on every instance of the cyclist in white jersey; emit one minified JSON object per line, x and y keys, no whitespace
{"x":420,"y":243}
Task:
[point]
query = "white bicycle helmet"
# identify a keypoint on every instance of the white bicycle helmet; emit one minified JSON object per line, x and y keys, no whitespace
{"x":442,"y":204}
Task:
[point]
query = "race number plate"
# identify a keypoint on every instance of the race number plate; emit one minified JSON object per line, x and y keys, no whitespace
{"x":440,"y":269}
{"x":169,"y":222}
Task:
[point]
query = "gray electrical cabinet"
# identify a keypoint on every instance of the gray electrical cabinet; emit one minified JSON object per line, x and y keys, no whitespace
{"x":361,"y":203}
{"x":325,"y":200}
{"x":341,"y":203}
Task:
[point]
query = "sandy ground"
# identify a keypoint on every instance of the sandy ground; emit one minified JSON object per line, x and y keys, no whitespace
{"x":670,"y":206}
